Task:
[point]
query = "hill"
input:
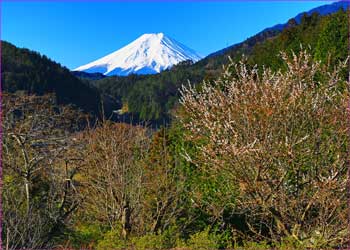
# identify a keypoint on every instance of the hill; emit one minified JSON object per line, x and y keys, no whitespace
{"x":28,"y":71}
{"x":153,"y":97}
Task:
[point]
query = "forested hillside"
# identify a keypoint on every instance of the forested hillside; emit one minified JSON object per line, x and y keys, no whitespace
{"x":32,"y":73}
{"x":326,"y":36}
{"x":153,"y":97}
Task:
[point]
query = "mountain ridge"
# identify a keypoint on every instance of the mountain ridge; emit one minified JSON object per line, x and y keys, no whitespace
{"x":274,"y":30}
{"x":32,"y":73}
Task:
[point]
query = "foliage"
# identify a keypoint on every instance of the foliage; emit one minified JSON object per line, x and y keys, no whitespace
{"x":149,"y":241}
{"x":203,"y":240}
{"x":84,"y":235}
{"x":112,"y":240}
{"x":333,"y":40}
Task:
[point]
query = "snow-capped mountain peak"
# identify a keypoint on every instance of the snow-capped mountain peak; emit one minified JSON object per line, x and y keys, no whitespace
{"x":148,"y":54}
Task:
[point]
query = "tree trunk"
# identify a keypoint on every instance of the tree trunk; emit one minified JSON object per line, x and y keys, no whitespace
{"x":27,"y":194}
{"x":126,"y":213}
{"x":7,"y":238}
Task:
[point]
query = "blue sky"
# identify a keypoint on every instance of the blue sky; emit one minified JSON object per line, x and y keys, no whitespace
{"x":75,"y":33}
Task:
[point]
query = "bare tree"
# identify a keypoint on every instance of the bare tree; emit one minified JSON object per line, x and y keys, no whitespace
{"x":39,"y":162}
{"x":113,"y":175}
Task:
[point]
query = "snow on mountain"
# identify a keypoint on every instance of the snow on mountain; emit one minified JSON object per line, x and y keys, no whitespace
{"x":148,"y":54}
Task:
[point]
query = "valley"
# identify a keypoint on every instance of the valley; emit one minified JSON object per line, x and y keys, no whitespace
{"x":154,"y":146}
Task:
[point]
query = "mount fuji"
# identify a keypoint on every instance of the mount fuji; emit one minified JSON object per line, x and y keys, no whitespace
{"x":148,"y":54}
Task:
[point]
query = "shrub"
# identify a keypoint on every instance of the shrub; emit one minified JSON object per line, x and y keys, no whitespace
{"x":149,"y":241}
{"x":111,"y":241}
{"x":203,"y":240}
{"x":85,"y":235}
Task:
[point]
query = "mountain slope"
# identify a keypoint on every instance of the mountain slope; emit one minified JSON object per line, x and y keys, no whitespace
{"x":28,"y":71}
{"x":148,"y":54}
{"x":325,"y":9}
{"x":153,"y":96}
{"x":274,"y":30}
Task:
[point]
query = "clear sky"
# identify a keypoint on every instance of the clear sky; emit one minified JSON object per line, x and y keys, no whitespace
{"x":75,"y":33}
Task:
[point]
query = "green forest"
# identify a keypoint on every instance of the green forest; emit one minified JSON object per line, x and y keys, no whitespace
{"x":245,"y":149}
{"x":32,"y":73}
